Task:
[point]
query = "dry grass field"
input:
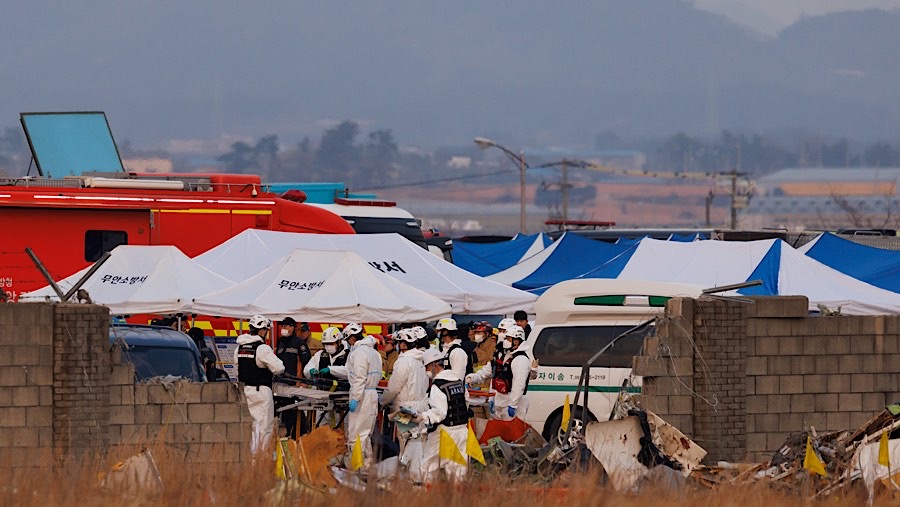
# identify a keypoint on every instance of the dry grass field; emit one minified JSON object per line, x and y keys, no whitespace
{"x":245,"y":485}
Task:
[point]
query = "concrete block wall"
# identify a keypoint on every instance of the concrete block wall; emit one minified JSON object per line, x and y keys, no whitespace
{"x":203,"y":422}
{"x":752,"y":374}
{"x":65,"y":394}
{"x":26,"y":384}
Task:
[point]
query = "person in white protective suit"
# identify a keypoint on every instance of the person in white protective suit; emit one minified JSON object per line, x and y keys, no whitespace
{"x":510,"y":373}
{"x":257,"y":364}
{"x":330,"y":362}
{"x":407,"y":389}
{"x":364,"y":373}
{"x":448,"y":402}
{"x":458,"y":359}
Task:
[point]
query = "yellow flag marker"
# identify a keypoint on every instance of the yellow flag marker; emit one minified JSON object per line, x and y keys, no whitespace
{"x":567,"y":414}
{"x":473,"y":448}
{"x":884,"y":457}
{"x":279,"y":462}
{"x":448,"y":449}
{"x":811,"y":461}
{"x":356,"y":455}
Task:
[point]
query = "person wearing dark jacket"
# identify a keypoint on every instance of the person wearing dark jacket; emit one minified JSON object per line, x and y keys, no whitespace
{"x":207,"y":356}
{"x":293,"y":350}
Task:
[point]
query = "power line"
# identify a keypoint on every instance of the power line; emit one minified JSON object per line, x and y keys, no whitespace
{"x":441,"y":180}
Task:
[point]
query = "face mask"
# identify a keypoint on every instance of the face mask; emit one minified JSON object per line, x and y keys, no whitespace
{"x":500,"y":336}
{"x":331,"y":349}
{"x":505,"y":343}
{"x":430,"y":374}
{"x":479,"y":337}
{"x":285,"y":332}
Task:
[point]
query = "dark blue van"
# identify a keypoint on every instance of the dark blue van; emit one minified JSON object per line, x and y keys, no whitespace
{"x":157,"y":351}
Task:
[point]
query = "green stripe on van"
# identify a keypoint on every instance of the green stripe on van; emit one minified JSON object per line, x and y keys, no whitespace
{"x":571,"y":388}
{"x":600,"y":301}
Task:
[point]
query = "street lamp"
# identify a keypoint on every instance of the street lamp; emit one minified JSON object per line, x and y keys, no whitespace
{"x":485,"y":143}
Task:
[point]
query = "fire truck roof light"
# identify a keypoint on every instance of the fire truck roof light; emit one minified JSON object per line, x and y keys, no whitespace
{"x":365,"y":202}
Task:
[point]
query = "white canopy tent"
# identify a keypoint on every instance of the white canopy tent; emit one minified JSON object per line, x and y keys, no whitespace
{"x":785,"y":271}
{"x":253,"y":250}
{"x":142,"y":279}
{"x":324,"y":286}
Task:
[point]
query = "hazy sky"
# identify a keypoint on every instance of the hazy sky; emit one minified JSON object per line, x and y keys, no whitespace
{"x":782,"y":13}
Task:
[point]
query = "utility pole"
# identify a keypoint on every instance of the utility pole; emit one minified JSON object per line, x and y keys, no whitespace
{"x":522,"y":192}
{"x":733,"y":200}
{"x":565,"y":192}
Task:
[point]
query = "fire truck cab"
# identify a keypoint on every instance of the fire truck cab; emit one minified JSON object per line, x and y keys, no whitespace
{"x":70,"y":221}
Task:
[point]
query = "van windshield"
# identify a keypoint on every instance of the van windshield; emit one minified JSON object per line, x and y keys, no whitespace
{"x":155,"y":361}
{"x":406,"y":227}
{"x":572,"y":346}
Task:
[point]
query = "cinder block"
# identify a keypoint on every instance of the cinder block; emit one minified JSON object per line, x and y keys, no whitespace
{"x":213,"y":433}
{"x":133,"y":434}
{"x":790,"y":345}
{"x":159,"y":395}
{"x":45,"y":393}
{"x":862,"y":382}
{"x":642,"y":365}
{"x":147,"y":414}
{"x":749,"y":386}
{"x":756,"y":442}
{"x":123,"y":414}
{"x":857,"y":419}
{"x":802,"y":403}
{"x":891,"y":344}
{"x":780,"y":365}
{"x":816,"y":420}
{"x":36,"y":417}
{"x":790,"y":384}
{"x":227,"y":412}
{"x":825,"y":365}
{"x":756,"y":404}
{"x":215,"y":392}
{"x":815,"y":383}
{"x":25,"y":437}
{"x":767,"y":345}
{"x":201,"y":413}
{"x":873,"y":402}
{"x":175,"y":413}
{"x":886,"y":382}
{"x":775,"y":440}
{"x":26,"y":356}
{"x":767,"y":385}
{"x":656,"y":404}
{"x":837,"y":345}
{"x":837,"y":421}
{"x":682,"y":366}
{"x":25,"y":396}
{"x":838,"y":383}
{"x":141,"y":396}
{"x":862,"y":344}
{"x":851,"y":364}
{"x":681,"y":405}
{"x":849,"y":402}
{"x":756,"y":365}
{"x":237,"y":432}
{"x":12,"y":376}
{"x":121,"y":375}
{"x":778,"y":404}
{"x":826,"y":402}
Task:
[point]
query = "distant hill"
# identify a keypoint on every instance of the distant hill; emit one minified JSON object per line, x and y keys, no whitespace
{"x":530,"y":72}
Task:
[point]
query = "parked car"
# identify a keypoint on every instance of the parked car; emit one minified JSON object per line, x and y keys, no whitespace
{"x":157,"y":351}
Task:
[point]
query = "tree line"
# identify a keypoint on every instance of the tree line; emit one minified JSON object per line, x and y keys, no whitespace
{"x":374,"y":159}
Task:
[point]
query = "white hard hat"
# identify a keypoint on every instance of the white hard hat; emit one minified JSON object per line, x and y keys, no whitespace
{"x":506,"y":324}
{"x":432,"y":355}
{"x":419,"y":332}
{"x":448,"y":324}
{"x":260,"y":322}
{"x":405,"y":335}
{"x":515,"y":333}
{"x":331,"y":335}
{"x":352,"y":329}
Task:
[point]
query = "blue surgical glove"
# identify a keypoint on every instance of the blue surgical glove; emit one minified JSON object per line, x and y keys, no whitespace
{"x":324,"y":371}
{"x":511,"y":411}
{"x":353,"y":405}
{"x":313,"y":372}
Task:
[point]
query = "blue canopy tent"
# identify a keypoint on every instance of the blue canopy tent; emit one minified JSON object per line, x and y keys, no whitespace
{"x":875,"y":266}
{"x":485,"y":259}
{"x":574,"y":257}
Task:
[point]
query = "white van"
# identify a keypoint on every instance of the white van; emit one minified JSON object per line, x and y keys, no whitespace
{"x":574,"y":320}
